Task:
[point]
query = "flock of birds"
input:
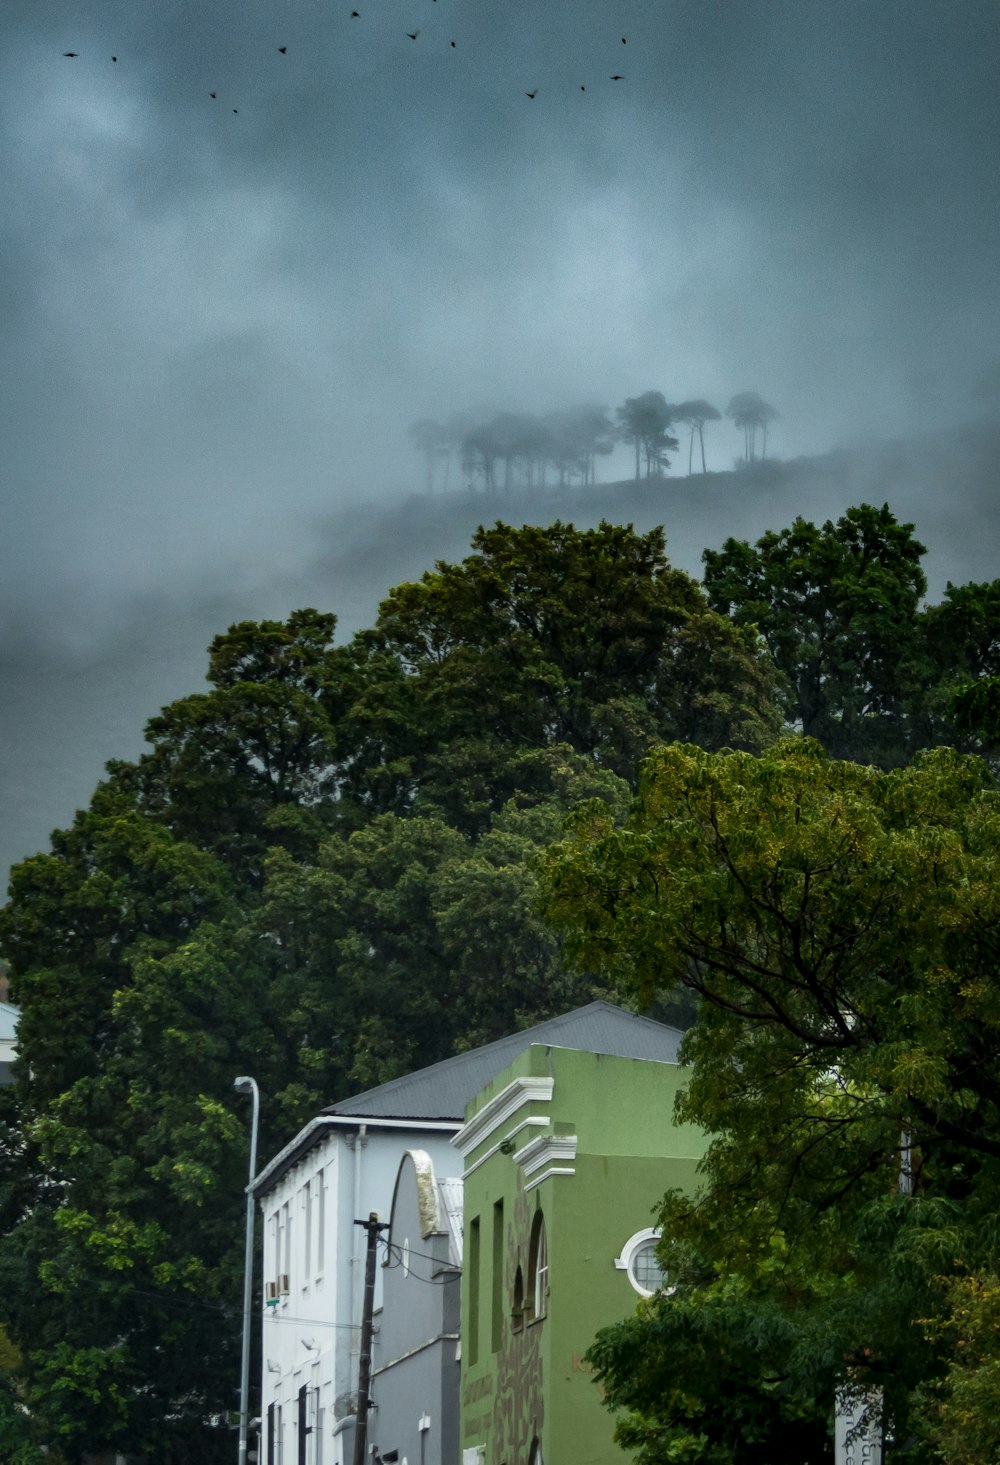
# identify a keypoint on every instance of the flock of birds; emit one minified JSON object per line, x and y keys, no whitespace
{"x":411,"y":35}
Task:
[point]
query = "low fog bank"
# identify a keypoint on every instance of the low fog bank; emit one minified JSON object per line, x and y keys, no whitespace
{"x":80,"y":685}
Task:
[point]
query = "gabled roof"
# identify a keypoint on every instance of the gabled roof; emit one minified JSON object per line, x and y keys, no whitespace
{"x":443,"y":1090}
{"x":436,"y":1097}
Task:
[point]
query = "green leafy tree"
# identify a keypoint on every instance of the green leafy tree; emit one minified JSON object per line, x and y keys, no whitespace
{"x":254,"y":761}
{"x":546,"y":636}
{"x":120,"y":1260}
{"x":837,"y":606}
{"x":837,"y":925}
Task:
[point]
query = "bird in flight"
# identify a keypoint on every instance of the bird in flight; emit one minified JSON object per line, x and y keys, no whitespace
{"x":413,"y":35}
{"x":114,"y":58}
{"x":532,"y":95}
{"x":283,"y":50}
{"x":71,"y":53}
{"x":213,"y":95}
{"x":616,"y":77}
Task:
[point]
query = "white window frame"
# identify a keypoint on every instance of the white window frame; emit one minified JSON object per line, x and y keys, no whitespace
{"x":630,"y":1251}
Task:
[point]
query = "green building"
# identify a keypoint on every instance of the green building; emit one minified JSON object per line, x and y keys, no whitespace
{"x":566,"y":1154}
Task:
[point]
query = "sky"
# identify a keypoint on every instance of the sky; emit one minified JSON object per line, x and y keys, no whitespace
{"x":221,"y":314}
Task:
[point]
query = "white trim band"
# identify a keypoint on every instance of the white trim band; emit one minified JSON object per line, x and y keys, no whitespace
{"x":500,"y":1108}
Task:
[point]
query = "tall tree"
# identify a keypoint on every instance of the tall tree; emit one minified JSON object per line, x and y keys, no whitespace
{"x":431,"y":439}
{"x":645,"y":422}
{"x":545,"y":636}
{"x":838,"y":606}
{"x":838,"y":926}
{"x":751,"y":414}
{"x":695,"y":414}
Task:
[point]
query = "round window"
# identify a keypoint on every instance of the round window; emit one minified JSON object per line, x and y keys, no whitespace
{"x":638,"y":1260}
{"x":644,"y":1270}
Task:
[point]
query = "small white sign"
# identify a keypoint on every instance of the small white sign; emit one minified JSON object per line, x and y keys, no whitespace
{"x":858,"y":1428}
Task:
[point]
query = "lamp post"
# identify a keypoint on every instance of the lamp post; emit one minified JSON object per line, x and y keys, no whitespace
{"x":244,"y":1085}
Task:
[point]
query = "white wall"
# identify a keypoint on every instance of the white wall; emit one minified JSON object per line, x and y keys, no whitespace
{"x":310,"y":1238}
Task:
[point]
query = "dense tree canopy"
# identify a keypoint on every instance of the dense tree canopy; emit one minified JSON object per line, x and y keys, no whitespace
{"x":321,"y":872}
{"x":324,"y":871}
{"x":838,"y":608}
{"x":838,"y":926}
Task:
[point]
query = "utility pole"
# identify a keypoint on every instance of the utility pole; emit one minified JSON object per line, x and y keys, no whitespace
{"x":372,"y":1226}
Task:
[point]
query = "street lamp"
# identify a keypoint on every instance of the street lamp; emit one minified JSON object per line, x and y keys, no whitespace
{"x":244,"y":1085}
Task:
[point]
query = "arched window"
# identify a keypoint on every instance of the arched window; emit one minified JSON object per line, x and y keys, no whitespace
{"x":517,"y":1311}
{"x":538,"y":1269}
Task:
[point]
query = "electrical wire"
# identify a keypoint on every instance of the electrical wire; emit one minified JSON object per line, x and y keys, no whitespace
{"x":452,"y":1276}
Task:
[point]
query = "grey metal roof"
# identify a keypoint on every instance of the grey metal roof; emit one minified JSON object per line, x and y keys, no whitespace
{"x":450,"y":1191}
{"x":443,"y":1090}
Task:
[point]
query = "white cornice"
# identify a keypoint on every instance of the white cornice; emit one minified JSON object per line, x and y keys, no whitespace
{"x":545,"y":1175}
{"x":521,"y":1091}
{"x":545,"y":1151}
{"x":504,"y":1144}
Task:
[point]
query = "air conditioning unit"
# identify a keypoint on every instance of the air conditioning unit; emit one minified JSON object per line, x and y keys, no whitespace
{"x":283,"y":1287}
{"x":271,"y":1294}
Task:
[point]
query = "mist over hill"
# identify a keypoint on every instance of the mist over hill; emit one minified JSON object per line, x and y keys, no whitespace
{"x":80,"y":684}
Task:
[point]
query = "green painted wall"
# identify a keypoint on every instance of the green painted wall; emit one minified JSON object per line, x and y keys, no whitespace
{"x":629,"y":1151}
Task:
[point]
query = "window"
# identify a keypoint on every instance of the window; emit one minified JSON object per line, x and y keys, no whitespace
{"x":307,"y":1210}
{"x":307,"y":1401}
{"x":497,"y":1294}
{"x":517,"y":1311}
{"x":474,"y":1290}
{"x":277,"y":1436}
{"x":538,"y":1269}
{"x":320,"y":1221}
{"x":639,"y":1261}
{"x":285,"y":1228}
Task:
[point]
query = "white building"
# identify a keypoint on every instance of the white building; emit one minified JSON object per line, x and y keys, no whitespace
{"x":8,"y":1041}
{"x":341,"y":1167}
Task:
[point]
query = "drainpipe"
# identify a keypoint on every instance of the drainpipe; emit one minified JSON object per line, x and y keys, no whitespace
{"x":360,"y":1141}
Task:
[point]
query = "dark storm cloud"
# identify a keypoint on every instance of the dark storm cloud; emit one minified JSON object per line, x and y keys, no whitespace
{"x":218,"y":323}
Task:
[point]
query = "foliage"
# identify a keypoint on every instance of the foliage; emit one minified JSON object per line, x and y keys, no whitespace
{"x":838,"y":926}
{"x":645,"y":422}
{"x":837,"y":606}
{"x":324,"y":870}
{"x":694,"y":414}
{"x":247,"y":898}
{"x":751,"y":414}
{"x":544,"y":636}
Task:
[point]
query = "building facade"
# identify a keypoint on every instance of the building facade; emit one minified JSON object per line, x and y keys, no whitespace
{"x":339,"y":1169}
{"x":415,"y":1379}
{"x":566,"y":1154}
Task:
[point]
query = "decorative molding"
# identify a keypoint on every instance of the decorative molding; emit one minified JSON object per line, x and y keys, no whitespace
{"x":545,"y":1175}
{"x":500,"y":1108}
{"x":547,"y":1149}
{"x":532,"y":1122}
